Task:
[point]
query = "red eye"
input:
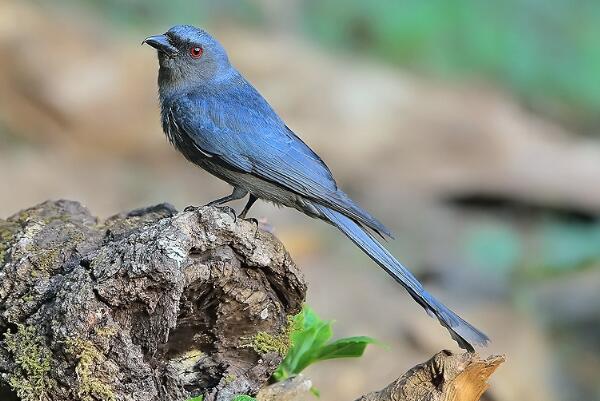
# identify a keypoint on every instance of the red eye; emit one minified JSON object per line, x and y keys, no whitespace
{"x":196,"y":52}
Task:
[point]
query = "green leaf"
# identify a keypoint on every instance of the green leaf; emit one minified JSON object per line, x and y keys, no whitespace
{"x":310,"y":344}
{"x":309,"y":337}
{"x":308,"y":318}
{"x":281,"y":373}
{"x":351,"y":347}
{"x":199,"y":398}
{"x":244,"y":398}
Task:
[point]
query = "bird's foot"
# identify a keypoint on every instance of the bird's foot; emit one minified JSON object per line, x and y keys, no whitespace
{"x":229,"y":210}
{"x":263,"y":224}
{"x":250,"y":219}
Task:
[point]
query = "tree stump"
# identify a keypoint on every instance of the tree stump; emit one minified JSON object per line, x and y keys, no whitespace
{"x":155,"y":305}
{"x":147,"y":305}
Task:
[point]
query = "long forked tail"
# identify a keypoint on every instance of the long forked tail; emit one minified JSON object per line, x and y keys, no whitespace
{"x":461,"y":331}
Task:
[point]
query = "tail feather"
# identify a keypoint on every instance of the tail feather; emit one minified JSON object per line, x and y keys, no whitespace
{"x":461,"y":331}
{"x":342,"y":203}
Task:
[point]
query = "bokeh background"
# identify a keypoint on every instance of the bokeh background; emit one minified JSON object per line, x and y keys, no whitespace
{"x":470,"y":127}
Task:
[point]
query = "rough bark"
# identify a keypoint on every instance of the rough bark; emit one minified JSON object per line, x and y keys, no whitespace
{"x":158,"y":305}
{"x":145,"y":306}
{"x":444,"y":377}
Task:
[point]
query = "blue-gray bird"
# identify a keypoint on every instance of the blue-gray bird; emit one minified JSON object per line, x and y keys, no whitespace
{"x":220,"y":122}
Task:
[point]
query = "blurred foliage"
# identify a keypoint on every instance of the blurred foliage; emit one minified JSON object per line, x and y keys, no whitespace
{"x":564,"y":246}
{"x":556,"y":246}
{"x":547,"y":51}
{"x":152,"y":13}
{"x":495,"y":247}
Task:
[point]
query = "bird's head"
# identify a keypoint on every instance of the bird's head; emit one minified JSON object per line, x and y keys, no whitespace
{"x":188,"y":56}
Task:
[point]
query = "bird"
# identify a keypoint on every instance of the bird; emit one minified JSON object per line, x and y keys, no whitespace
{"x":213,"y":116}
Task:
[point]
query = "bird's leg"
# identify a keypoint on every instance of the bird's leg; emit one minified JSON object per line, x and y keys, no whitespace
{"x":238,"y":193}
{"x":251,"y":200}
{"x":229,"y":210}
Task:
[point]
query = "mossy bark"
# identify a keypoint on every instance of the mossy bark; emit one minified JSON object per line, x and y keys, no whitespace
{"x":147,"y":305}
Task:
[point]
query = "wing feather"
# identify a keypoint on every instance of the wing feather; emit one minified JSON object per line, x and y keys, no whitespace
{"x":251,"y":138}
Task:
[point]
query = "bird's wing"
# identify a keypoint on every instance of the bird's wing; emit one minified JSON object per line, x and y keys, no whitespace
{"x":245,"y":134}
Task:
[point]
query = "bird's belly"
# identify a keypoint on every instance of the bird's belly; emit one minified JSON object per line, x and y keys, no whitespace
{"x":260,"y":188}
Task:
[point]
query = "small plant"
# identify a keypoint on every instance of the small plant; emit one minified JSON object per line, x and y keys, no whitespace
{"x":33,"y":360}
{"x":311,"y":343}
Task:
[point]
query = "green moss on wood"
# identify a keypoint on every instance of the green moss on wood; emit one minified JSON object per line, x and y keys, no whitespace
{"x":47,"y":257}
{"x":35,"y":214}
{"x":263,"y":342}
{"x":8,"y":231}
{"x":33,"y":362}
{"x":106,"y":331}
{"x":28,"y":298}
{"x":89,"y":388}
{"x":186,"y":362}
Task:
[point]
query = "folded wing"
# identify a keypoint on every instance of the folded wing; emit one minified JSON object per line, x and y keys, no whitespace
{"x":251,"y":138}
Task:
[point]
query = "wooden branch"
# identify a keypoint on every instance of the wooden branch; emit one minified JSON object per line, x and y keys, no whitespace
{"x":296,"y":388}
{"x":148,"y":305}
{"x":444,"y":377}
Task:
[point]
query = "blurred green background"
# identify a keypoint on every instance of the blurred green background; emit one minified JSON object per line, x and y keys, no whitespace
{"x":469,"y":127}
{"x":546,"y":52}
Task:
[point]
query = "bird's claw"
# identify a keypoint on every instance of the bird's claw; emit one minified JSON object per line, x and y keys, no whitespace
{"x":230,"y":211}
{"x":250,"y":219}
{"x":190,"y":208}
{"x":261,"y":224}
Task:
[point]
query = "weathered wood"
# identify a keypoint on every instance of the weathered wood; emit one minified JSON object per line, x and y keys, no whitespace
{"x":148,"y":305}
{"x":158,"y":305}
{"x":445,"y":377}
{"x":296,"y":388}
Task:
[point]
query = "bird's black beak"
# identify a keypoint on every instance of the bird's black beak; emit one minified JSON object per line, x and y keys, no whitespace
{"x":162,"y":44}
